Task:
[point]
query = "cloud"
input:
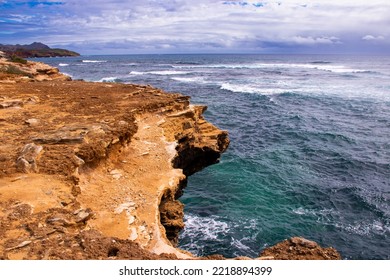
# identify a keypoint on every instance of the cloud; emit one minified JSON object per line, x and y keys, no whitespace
{"x":312,"y":41}
{"x":183,"y":25}
{"x":373,"y":38}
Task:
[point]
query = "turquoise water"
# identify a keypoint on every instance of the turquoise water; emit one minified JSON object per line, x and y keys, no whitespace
{"x":309,"y":153}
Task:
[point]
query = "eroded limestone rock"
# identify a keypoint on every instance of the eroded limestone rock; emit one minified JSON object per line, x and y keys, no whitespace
{"x":299,"y":248}
{"x":29,"y":155}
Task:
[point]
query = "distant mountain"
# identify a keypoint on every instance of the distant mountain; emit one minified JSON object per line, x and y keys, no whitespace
{"x":35,"y":49}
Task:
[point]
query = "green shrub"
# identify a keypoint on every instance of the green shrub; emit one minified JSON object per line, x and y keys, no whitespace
{"x":17,"y":59}
{"x":13,"y":70}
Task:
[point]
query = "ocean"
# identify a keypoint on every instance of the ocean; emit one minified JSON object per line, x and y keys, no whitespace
{"x":309,"y":153}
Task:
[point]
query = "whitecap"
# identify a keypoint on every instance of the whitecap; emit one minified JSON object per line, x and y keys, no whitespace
{"x":137,"y":73}
{"x":162,"y":72}
{"x":67,"y":74}
{"x":198,"y":80}
{"x":300,"y":211}
{"x":109,"y":80}
{"x":252,"y":89}
{"x":340,"y":69}
{"x":365,"y":228}
{"x":329,"y":68}
{"x":93,"y":61}
{"x":168,"y":72}
{"x":63,"y":64}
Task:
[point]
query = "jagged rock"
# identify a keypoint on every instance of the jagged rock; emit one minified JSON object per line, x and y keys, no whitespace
{"x":11,"y":103}
{"x":300,"y":241}
{"x":299,"y":248}
{"x":65,"y":135}
{"x":200,"y":143}
{"x":171,"y":217}
{"x":11,"y":72}
{"x":27,"y":161}
{"x":83,"y":215}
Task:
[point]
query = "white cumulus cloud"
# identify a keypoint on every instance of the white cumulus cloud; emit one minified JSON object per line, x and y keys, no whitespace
{"x":372,"y":38}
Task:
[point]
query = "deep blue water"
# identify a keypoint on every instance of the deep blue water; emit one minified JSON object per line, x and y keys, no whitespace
{"x":309,"y":153}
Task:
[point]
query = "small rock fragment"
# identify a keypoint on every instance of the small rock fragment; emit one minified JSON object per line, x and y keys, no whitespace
{"x":21,"y":245}
{"x":32,"y":122}
{"x":83,"y":215}
{"x":303,"y":242}
{"x":27,"y":161}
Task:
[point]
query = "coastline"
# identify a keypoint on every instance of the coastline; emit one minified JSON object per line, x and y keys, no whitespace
{"x":101,"y":162}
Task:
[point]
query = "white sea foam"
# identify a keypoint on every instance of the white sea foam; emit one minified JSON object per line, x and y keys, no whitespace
{"x":109,"y":79}
{"x":67,"y":74}
{"x":137,"y":73}
{"x":196,"y":80}
{"x":252,"y":89}
{"x":329,"y":68}
{"x":212,"y":229}
{"x":162,"y":73}
{"x":63,"y":64}
{"x":239,"y":245}
{"x":329,"y":216}
{"x":365,"y":228}
{"x":168,"y":72}
{"x":94,"y":61}
{"x":321,"y":212}
{"x":204,"y":228}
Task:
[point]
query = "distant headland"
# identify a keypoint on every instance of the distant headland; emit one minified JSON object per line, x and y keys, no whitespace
{"x":35,"y":49}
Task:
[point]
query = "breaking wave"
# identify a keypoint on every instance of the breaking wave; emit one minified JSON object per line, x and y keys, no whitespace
{"x":93,"y":61}
{"x":315,"y":65}
{"x":110,"y":80}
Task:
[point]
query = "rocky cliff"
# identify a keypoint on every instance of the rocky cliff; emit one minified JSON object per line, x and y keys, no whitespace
{"x":94,"y":170}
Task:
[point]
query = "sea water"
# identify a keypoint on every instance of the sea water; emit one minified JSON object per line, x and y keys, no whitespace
{"x":309,"y":153}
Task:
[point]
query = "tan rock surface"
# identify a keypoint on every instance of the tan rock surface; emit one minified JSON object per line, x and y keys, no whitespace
{"x":94,"y":170}
{"x":100,"y":159}
{"x":299,"y":248}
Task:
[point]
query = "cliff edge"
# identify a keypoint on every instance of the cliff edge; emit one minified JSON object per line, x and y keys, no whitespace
{"x":82,"y":159}
{"x":94,"y":170}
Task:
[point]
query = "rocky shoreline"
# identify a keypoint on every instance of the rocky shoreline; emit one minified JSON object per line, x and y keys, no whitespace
{"x":94,"y":170}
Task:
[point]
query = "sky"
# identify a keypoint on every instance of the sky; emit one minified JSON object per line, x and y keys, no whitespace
{"x":184,"y":26}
